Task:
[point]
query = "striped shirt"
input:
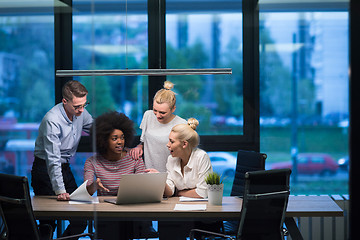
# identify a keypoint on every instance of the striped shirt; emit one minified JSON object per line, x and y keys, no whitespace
{"x":110,"y":172}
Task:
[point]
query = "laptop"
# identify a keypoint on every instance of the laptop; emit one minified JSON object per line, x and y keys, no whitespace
{"x":140,"y":188}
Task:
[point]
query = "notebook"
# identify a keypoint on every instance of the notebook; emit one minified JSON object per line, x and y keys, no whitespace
{"x":140,"y":188}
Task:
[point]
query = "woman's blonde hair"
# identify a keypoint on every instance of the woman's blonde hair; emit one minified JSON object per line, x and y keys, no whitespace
{"x":187,"y":132}
{"x":166,"y":95}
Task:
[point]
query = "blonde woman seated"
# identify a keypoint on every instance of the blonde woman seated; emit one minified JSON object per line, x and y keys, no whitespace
{"x":187,"y":165}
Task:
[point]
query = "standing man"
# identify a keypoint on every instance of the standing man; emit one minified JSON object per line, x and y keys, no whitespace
{"x":57,"y":141}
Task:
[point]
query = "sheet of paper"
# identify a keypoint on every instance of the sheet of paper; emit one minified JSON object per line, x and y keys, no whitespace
{"x":190,"y":207}
{"x":81,"y":194}
{"x":189,"y":199}
{"x":94,"y":201}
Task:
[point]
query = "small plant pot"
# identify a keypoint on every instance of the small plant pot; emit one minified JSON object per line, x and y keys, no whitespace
{"x":215,"y":194}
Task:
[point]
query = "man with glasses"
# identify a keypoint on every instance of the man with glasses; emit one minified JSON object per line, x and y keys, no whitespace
{"x":57,"y":141}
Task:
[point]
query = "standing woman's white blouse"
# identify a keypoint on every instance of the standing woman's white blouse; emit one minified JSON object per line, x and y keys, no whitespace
{"x":195,"y":171}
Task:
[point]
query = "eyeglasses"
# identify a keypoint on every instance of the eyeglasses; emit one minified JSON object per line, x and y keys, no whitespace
{"x":81,"y":106}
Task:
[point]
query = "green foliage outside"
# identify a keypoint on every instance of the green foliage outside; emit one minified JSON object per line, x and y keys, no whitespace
{"x":203,"y":97}
{"x":332,"y":140}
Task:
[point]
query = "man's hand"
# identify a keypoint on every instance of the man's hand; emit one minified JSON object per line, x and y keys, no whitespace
{"x":63,"y":197}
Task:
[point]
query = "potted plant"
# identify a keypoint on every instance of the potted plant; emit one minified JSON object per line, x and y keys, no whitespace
{"x":215,"y":188}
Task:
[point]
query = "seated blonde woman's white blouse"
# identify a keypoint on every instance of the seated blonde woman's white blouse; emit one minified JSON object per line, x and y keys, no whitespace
{"x":195,"y":171}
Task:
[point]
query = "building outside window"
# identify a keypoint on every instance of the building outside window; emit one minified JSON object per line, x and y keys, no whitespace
{"x":303,"y":78}
{"x":304,"y":101}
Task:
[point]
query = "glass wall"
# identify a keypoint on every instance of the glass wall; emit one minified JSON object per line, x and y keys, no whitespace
{"x":304,"y":81}
{"x":304,"y":101}
{"x":208,"y":36}
{"x":114,"y":37}
{"x":26,"y":81}
{"x":111,"y":37}
{"x":303,"y":78}
{"x":202,"y":38}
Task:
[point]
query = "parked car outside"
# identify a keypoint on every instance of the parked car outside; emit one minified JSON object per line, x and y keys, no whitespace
{"x":311,"y":163}
{"x":223,"y":163}
{"x":344,"y":163}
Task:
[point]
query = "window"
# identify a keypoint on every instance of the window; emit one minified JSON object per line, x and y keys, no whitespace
{"x":203,"y":38}
{"x":304,"y":85}
{"x":318,"y":160}
{"x":113,"y":37}
{"x":217,"y":101}
{"x":303,"y":50}
{"x":26,"y":81}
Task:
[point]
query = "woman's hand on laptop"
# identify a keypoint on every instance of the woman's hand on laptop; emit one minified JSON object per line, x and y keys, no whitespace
{"x":151,"y":170}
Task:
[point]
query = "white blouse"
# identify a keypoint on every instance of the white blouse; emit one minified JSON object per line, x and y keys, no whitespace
{"x":195,"y":171}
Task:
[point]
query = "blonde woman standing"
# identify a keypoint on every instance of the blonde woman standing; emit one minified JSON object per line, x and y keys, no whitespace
{"x":156,"y":126}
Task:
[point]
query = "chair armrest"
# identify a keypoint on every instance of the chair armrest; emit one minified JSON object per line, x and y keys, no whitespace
{"x":76,"y":236}
{"x":192,"y":232}
{"x":45,"y":231}
{"x":268,"y":195}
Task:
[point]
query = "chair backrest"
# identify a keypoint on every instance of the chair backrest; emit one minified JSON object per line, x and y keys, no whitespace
{"x":3,"y":227}
{"x":264,"y":204}
{"x":16,"y":208}
{"x":246,"y":161}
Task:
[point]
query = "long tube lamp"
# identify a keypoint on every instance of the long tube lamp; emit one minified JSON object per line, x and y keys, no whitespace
{"x":145,"y":72}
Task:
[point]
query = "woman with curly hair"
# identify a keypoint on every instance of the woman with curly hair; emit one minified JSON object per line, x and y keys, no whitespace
{"x":113,"y":132}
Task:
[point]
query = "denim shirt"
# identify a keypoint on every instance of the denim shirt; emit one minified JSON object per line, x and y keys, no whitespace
{"x":58,"y":140}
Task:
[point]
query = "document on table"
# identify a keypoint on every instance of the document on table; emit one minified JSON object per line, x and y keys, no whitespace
{"x":94,"y":200}
{"x":190,"y":207}
{"x":81,"y":196}
{"x":189,"y":199}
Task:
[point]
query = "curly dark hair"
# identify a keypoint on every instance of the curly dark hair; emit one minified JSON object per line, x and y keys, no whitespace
{"x":106,"y":123}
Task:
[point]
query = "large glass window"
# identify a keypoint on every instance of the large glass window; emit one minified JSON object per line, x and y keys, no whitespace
{"x":26,"y":81}
{"x":304,"y":96}
{"x":197,"y":36}
{"x":303,"y":77}
{"x":107,"y":36}
{"x":202,"y":38}
{"x":111,"y":36}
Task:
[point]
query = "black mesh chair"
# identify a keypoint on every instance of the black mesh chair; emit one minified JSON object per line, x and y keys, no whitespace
{"x":3,"y":232}
{"x":247,"y":161}
{"x":263,"y":208}
{"x":16,"y":212}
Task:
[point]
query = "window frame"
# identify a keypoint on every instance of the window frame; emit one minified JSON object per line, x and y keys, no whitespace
{"x":249,"y":140}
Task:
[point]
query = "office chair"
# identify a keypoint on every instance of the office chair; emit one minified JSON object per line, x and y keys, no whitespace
{"x":3,"y":233}
{"x":143,"y":230}
{"x":247,"y":161}
{"x":264,"y":205}
{"x":17,"y":214}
